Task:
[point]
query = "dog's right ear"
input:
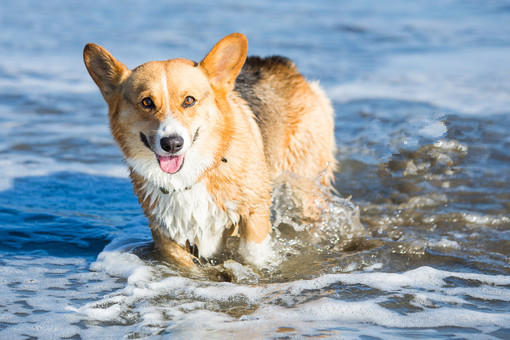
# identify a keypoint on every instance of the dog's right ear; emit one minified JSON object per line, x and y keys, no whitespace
{"x":108,"y":73}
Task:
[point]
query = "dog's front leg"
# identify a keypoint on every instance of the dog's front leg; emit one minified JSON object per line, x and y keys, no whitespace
{"x":255,"y":244}
{"x":171,"y":249}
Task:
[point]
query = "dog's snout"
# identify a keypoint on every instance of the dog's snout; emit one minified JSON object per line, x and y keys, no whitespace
{"x":172,"y":143}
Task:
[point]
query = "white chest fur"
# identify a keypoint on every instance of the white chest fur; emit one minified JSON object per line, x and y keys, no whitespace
{"x":192,"y":215}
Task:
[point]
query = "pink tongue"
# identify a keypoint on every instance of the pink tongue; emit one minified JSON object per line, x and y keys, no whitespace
{"x":170,"y":164}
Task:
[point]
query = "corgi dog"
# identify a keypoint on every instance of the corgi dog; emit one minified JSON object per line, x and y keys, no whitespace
{"x":204,"y":141}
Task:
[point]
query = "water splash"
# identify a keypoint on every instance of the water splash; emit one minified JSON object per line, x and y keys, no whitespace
{"x":327,"y":216}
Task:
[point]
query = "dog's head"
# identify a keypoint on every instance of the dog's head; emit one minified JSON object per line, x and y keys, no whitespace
{"x":170,"y":118}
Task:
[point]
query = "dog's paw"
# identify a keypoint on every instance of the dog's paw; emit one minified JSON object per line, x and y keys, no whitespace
{"x":260,"y":255}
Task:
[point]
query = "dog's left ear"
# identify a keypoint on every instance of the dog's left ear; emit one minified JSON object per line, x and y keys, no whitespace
{"x":223,"y":63}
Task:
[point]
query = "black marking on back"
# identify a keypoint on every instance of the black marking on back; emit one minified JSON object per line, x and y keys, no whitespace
{"x":254,"y":70}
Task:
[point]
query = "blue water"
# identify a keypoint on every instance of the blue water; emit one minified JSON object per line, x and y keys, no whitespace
{"x":421,"y":91}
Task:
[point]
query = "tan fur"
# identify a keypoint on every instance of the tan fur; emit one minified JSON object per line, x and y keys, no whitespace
{"x":296,"y":121}
{"x":292,"y":131}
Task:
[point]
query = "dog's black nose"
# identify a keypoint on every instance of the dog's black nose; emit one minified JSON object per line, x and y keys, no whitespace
{"x":172,"y":144}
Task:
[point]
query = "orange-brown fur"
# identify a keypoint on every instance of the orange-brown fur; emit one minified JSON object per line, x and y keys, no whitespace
{"x":295,"y":119}
{"x":271,"y":120}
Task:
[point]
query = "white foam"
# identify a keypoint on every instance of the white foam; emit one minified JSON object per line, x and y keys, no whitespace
{"x":43,"y":74}
{"x":477,"y":220}
{"x":148,"y":299}
{"x":445,"y":243}
{"x":467,"y":81}
{"x":36,"y":293}
{"x":451,"y":145}
{"x":433,"y":130}
{"x":437,"y":304}
{"x":19,"y":165}
{"x":374,"y":267}
{"x":371,"y":312}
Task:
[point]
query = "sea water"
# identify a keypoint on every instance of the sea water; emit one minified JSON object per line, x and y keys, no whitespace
{"x":416,"y":242}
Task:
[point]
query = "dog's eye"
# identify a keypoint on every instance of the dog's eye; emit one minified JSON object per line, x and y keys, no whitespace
{"x":148,"y":103}
{"x":188,"y":101}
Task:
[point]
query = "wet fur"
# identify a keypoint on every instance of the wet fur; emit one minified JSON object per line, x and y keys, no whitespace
{"x":251,"y":124}
{"x":294,"y":116}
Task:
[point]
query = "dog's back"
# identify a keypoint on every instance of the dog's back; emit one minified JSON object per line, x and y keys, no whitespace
{"x":294,"y":116}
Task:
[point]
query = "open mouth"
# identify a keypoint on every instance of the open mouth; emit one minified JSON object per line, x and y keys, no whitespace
{"x":170,"y":164}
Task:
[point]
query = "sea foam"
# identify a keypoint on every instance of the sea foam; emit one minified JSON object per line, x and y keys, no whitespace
{"x":157,"y":297}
